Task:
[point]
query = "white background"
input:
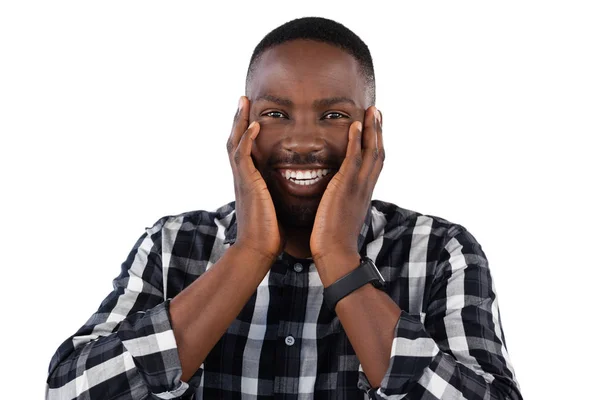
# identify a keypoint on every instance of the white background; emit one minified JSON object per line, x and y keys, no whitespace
{"x":113,"y":114}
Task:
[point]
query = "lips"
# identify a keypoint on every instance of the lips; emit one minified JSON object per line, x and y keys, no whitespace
{"x":304,"y":182}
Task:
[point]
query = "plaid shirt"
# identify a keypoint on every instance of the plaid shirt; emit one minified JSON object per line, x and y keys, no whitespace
{"x":285,"y":343}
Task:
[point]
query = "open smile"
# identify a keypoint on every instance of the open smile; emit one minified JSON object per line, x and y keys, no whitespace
{"x":305,"y":182}
{"x":305,"y":177}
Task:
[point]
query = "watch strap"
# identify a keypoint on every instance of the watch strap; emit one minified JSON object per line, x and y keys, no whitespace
{"x":365,"y":273}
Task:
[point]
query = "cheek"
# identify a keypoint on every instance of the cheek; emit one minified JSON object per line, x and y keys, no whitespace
{"x":261,"y":149}
{"x":337,"y":137}
{"x":268,"y":137}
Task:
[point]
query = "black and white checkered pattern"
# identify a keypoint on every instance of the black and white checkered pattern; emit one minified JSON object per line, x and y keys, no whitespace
{"x":285,"y":343}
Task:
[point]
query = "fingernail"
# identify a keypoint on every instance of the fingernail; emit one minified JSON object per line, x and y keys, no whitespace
{"x":254,"y":133}
{"x":378,"y":116}
{"x":240,"y":103}
{"x":359,"y":126}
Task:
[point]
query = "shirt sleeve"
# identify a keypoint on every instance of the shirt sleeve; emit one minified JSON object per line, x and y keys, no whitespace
{"x":457,"y":350}
{"x":127,"y":349}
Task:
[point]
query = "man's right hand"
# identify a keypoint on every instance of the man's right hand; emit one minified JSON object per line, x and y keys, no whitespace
{"x":257,"y":227}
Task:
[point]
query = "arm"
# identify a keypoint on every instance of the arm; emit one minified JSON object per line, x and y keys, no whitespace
{"x":368,"y":316}
{"x":118,"y":351}
{"x":203,"y":311}
{"x":222,"y":291}
{"x":138,"y":343}
{"x":459,"y":350}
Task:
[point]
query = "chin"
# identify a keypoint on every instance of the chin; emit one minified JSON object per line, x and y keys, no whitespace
{"x":296,"y":216}
{"x":293,"y":211}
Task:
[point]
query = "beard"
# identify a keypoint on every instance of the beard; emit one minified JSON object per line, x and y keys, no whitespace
{"x":296,"y":216}
{"x":292,"y":211}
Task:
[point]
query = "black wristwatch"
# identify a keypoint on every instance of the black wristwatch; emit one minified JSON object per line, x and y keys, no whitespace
{"x":365,"y":273}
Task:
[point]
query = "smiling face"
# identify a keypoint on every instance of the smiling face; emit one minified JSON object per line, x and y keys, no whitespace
{"x":305,"y":94}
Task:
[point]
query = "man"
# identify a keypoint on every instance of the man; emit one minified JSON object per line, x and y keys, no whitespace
{"x":279,"y":294}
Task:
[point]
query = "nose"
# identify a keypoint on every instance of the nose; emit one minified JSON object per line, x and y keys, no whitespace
{"x":303,"y":139}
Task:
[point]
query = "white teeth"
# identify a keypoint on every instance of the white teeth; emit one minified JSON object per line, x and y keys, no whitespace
{"x":305,"y":182}
{"x":305,"y":177}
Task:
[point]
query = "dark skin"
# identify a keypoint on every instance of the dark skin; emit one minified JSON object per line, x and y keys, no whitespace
{"x":289,"y":120}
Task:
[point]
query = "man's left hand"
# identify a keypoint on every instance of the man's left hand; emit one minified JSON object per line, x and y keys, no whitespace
{"x":344,"y":205}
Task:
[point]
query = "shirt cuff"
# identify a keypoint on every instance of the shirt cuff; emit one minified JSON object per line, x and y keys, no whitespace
{"x":149,"y":338}
{"x":413,"y":350}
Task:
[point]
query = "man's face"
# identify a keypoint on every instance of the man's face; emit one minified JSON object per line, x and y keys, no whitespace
{"x":305,"y":95}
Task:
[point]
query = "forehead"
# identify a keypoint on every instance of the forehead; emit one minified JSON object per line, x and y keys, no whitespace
{"x":304,"y":70}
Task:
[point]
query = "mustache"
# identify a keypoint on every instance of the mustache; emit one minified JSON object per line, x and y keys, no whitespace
{"x":300,"y":159}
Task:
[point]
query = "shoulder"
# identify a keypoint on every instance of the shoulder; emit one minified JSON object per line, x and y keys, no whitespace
{"x":421,"y":245}
{"x":393,"y":222}
{"x":204,"y":221}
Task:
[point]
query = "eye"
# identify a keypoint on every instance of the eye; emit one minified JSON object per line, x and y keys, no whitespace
{"x":335,"y":115}
{"x":274,"y":114}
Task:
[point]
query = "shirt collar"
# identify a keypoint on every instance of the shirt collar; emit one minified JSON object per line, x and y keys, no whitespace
{"x":366,"y":232}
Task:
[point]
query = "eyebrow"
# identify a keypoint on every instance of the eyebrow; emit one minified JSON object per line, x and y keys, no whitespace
{"x":326,"y":102}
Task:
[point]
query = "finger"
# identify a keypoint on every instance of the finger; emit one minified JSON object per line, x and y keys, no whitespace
{"x":242,"y":159}
{"x":353,"y":160}
{"x":381,"y":150}
{"x":240,"y":124}
{"x":370,"y":150}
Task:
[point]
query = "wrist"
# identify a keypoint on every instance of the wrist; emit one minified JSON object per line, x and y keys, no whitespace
{"x":334,"y":266}
{"x":355,"y":280}
{"x":252,"y":256}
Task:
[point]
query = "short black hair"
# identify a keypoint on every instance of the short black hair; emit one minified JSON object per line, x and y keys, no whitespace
{"x":320,"y":30}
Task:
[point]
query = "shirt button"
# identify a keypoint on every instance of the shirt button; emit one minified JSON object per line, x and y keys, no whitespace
{"x":290,"y":340}
{"x":298,"y":267}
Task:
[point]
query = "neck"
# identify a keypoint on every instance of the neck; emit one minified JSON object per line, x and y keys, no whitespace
{"x":297,"y":242}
